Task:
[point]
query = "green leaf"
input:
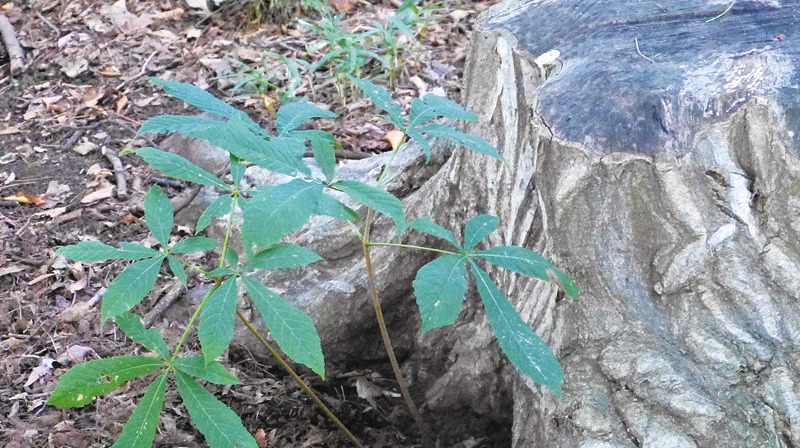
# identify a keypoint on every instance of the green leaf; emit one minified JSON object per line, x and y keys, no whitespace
{"x":283,"y":256}
{"x":280,"y":154}
{"x":194,"y":244}
{"x":221,"y":426}
{"x":275,"y":211}
{"x":440,"y":287}
{"x":381,"y":98}
{"x":432,"y":106}
{"x":158,"y":214}
{"x":425,"y":225}
{"x":470,"y":141}
{"x":322,"y":145}
{"x":422,"y":141}
{"x":524,"y":348}
{"x":197,"y":97}
{"x":221,"y":272}
{"x":220,"y":207}
{"x":176,"y":267}
{"x":530,"y":263}
{"x":231,"y":257}
{"x":379,"y":200}
{"x":478,"y":228}
{"x":291,"y":328}
{"x":93,"y":251}
{"x":91,"y":379}
{"x":329,"y":206}
{"x":133,"y":251}
{"x":237,"y":169}
{"x":131,"y":324}
{"x":140,"y":430}
{"x":190,"y":126}
{"x":292,"y":115}
{"x":130,"y":287}
{"x":217,"y":319}
{"x":213,"y":372}
{"x":178,"y":167}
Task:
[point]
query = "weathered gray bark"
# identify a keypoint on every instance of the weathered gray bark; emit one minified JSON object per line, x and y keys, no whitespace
{"x":684,"y":244}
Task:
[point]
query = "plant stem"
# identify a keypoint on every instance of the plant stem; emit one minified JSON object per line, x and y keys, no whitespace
{"x":387,"y":342}
{"x":409,"y":246}
{"x":191,"y":322}
{"x":228,"y":233}
{"x":297,"y":378}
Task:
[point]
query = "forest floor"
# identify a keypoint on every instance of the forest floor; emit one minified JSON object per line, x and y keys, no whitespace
{"x":64,"y":120}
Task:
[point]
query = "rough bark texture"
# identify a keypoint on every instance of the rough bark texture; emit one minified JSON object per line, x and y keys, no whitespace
{"x":684,"y":246}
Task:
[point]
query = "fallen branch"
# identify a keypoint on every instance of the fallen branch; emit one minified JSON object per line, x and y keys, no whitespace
{"x":166,"y":301}
{"x":122,"y":185}
{"x":15,"y":54}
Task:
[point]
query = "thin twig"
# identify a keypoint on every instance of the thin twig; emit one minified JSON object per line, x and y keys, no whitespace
{"x":13,"y":48}
{"x":723,"y":12}
{"x":166,"y":301}
{"x":141,"y":73}
{"x":299,"y":380}
{"x":636,"y":41}
{"x":122,"y":185}
{"x":48,"y":23}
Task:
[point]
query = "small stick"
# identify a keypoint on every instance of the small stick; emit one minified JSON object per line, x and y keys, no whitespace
{"x":15,"y":54}
{"x":141,"y":72}
{"x":344,"y":154}
{"x":636,"y":40}
{"x":122,"y":186}
{"x":48,"y":23}
{"x":166,"y":301}
{"x":723,"y":13}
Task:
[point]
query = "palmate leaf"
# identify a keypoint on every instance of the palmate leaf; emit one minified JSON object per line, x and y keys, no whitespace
{"x":379,"y":200}
{"x":199,"y":98}
{"x":329,"y":206}
{"x":91,"y":379}
{"x":194,"y":244}
{"x":207,"y":129}
{"x":220,"y":207}
{"x":237,"y":169}
{"x":478,"y":228}
{"x":133,"y":251}
{"x":221,"y":426}
{"x":470,"y":141}
{"x":530,"y":263}
{"x":322,"y":145}
{"x":178,"y":167}
{"x":432,"y":106}
{"x":176,"y":267}
{"x":381,"y":98}
{"x":425,"y":225}
{"x":275,"y":211}
{"x":93,"y":251}
{"x":291,"y":328}
{"x":158,"y":214}
{"x":422,"y":141}
{"x":440,"y":287}
{"x":131,"y":324}
{"x":292,"y":115}
{"x":524,"y":348}
{"x":140,"y":430}
{"x":280,"y":154}
{"x":130,"y":287}
{"x":217,"y":320}
{"x":213,"y":372}
{"x":283,"y":256}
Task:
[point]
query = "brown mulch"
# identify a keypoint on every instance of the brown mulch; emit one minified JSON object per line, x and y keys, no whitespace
{"x":78,"y":103}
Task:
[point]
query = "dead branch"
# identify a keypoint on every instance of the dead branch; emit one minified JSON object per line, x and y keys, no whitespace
{"x":15,"y":54}
{"x":122,"y":186}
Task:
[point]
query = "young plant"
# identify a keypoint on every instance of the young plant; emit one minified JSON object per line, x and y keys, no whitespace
{"x":269,"y":214}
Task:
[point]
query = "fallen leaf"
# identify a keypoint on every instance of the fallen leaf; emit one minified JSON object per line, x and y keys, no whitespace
{"x":98,"y":195}
{"x":395,"y":138}
{"x":121,"y":103}
{"x":74,"y":354}
{"x":111,"y":72}
{"x":40,"y":278}
{"x":41,"y":371}
{"x":261,"y":438}
{"x":23,"y":198}
{"x":76,"y":312}
{"x":11,"y":270}
{"x":85,"y":147}
{"x":75,"y":68}
{"x":172,"y":14}
{"x":198,"y":4}
{"x":341,"y":5}
{"x":16,"y":129}
{"x":164,"y":34}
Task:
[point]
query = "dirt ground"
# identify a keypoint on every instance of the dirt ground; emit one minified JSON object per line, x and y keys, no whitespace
{"x":64,"y":120}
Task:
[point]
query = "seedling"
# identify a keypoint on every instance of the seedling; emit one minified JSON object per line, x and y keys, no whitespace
{"x":269,"y":214}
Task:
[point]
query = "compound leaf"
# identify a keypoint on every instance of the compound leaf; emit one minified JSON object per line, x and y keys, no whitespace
{"x":422,"y":141}
{"x":425,"y":225}
{"x":176,"y":267}
{"x":432,"y":106}
{"x":291,"y":328}
{"x":381,"y":98}
{"x":221,"y":426}
{"x":220,"y":207}
{"x":292,"y":115}
{"x":329,"y":206}
{"x":190,"y":126}
{"x":131,"y":324}
{"x":133,"y":251}
{"x":197,"y":97}
{"x":213,"y":372}
{"x":379,"y":200}
{"x":275,"y":211}
{"x":527,"y":262}
{"x":194,"y":244}
{"x":178,"y":167}
{"x":524,"y":348}
{"x":92,"y":251}
{"x":130,"y":287}
{"x":158,"y":214}
{"x":322,"y":145}
{"x":470,"y":141}
{"x":283,"y":256}
{"x":217,"y":320}
{"x":237,"y":169}
{"x":140,"y":430}
{"x":91,"y":379}
{"x":478,"y":228}
{"x":280,"y":154}
{"x":440,"y":287}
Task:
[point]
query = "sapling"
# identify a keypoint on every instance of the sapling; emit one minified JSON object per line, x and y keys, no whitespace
{"x":269,"y":214}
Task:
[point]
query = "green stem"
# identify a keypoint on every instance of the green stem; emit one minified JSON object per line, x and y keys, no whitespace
{"x":191,"y":322}
{"x":193,"y":267}
{"x":228,"y":233}
{"x":409,"y":246}
{"x":297,"y":378}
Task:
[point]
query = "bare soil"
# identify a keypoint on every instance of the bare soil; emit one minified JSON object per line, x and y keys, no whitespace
{"x":82,"y":95}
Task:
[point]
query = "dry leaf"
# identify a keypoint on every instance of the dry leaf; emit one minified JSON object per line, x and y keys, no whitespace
{"x":85,"y":147}
{"x":74,"y":354}
{"x":16,"y":129}
{"x":23,"y":198}
{"x":11,"y":270}
{"x":98,"y":195}
{"x":40,"y":278}
{"x":261,"y":438}
{"x":121,"y":103}
{"x":112,"y":71}
{"x":76,"y":312}
{"x":41,"y":371}
{"x":395,"y":138}
{"x":54,"y":213}
{"x":341,"y":5}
